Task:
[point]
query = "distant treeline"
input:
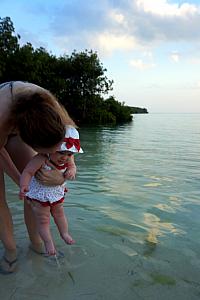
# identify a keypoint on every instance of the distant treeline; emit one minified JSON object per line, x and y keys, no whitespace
{"x":78,"y":81}
{"x":138,"y":110}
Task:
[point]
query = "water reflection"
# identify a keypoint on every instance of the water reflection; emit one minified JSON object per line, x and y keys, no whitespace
{"x":134,"y":212}
{"x":159,"y":228}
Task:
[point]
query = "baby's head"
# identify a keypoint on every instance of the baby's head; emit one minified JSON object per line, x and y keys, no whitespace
{"x":69,"y":146}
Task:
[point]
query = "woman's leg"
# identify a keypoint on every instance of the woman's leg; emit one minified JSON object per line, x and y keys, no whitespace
{"x":42,"y":216}
{"x":60,"y":219}
{"x":21,"y":154}
{"x":8,"y":263}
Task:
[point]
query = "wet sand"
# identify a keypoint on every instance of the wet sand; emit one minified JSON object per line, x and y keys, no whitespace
{"x":104,"y":267}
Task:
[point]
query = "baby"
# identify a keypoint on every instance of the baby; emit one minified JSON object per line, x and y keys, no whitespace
{"x":48,"y":200}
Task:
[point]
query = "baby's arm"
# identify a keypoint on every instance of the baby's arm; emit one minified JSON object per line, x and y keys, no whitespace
{"x":71,"y":168}
{"x":31,"y":168}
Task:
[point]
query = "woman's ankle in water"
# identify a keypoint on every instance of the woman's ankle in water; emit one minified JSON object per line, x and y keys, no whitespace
{"x":10,"y":254}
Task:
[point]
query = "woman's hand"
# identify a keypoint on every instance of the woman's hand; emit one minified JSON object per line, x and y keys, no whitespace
{"x":50,"y":177}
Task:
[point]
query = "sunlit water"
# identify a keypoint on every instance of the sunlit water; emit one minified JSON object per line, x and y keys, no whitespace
{"x":134,"y":213}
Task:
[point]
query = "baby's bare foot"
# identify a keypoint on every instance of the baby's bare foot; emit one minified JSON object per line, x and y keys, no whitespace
{"x":50,"y":249}
{"x":68,"y":239}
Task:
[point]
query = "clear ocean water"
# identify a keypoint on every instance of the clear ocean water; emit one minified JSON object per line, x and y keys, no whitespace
{"x":134,"y":213}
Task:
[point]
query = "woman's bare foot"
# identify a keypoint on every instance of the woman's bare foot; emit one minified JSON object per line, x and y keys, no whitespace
{"x":68,"y":239}
{"x":8,"y":263}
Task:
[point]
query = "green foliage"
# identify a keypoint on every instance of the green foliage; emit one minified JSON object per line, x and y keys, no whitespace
{"x":8,"y":43}
{"x":78,"y":80}
{"x":138,"y":110}
{"x":121,"y":112}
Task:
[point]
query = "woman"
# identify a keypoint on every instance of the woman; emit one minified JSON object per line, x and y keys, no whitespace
{"x":31,"y":120}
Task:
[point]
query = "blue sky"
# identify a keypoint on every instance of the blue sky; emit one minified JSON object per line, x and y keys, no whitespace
{"x":150,"y":48}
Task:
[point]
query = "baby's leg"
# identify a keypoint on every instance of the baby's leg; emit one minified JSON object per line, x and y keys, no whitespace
{"x":60,"y":219}
{"x":42,"y":215}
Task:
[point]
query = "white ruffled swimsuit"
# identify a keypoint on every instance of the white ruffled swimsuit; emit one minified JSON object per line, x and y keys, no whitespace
{"x":47,"y":195}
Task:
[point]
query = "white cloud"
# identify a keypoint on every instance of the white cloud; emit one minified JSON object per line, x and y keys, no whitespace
{"x":148,"y":54}
{"x":107,"y":42}
{"x":117,"y":17}
{"x":195,"y":60}
{"x":175,"y":56}
{"x":163,"y":8}
{"x":141,"y":65}
{"x":109,"y":26}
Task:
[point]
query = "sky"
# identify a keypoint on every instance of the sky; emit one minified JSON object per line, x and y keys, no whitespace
{"x":150,"y":48}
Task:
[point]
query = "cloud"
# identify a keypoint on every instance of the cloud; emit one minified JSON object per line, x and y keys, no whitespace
{"x":175,"y":56}
{"x":157,"y":21}
{"x":194,"y":61}
{"x":141,"y":65}
{"x":117,"y":17}
{"x":107,"y":42}
{"x":163,"y":8}
{"x":143,"y":22}
{"x":120,"y":25}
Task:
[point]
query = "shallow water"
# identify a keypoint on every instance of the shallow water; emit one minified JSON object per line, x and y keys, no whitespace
{"x":134,"y":213}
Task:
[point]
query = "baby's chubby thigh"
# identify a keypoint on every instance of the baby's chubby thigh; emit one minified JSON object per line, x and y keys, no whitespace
{"x":41,"y":213}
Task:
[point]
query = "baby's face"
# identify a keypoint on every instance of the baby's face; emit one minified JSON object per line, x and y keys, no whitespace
{"x":60,"y":157}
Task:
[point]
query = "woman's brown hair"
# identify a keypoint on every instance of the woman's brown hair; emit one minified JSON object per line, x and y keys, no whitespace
{"x":39,"y":118}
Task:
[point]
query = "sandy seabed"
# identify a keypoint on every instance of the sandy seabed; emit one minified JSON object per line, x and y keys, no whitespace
{"x":92,"y":270}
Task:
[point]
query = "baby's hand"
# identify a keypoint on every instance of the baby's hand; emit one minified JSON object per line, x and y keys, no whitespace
{"x":70,"y":174}
{"x":23,"y":191}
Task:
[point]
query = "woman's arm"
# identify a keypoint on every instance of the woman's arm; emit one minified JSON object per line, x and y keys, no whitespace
{"x":31,"y":168}
{"x":5,"y":129}
{"x":8,"y":166}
